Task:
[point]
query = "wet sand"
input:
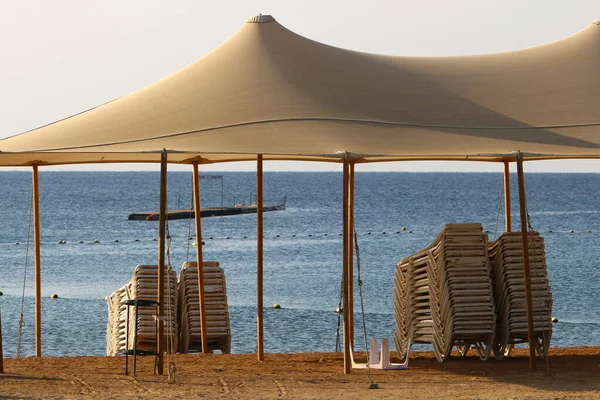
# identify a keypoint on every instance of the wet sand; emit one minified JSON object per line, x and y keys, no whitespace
{"x":574,"y":373}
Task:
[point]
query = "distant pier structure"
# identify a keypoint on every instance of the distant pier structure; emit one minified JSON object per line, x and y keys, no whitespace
{"x":208,"y":212}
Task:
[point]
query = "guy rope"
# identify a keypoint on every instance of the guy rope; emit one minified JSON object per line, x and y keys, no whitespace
{"x":22,"y":317}
{"x":362,"y":308}
{"x":172,"y":368}
{"x":542,"y":349}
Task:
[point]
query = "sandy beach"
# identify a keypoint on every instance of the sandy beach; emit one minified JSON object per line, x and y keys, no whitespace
{"x":574,"y":373}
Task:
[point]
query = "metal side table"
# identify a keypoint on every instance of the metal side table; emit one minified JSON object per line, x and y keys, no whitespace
{"x":135,"y":303}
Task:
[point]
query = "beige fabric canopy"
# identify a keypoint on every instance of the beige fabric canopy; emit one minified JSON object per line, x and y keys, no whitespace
{"x":269,"y":91}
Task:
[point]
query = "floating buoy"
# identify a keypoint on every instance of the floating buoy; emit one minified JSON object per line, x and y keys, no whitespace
{"x":245,"y":237}
{"x":549,"y":231}
{"x":409,"y":231}
{"x":383,"y":233}
{"x":116,"y":240}
{"x":339,"y":234}
{"x":571,"y":231}
{"x":81,"y":241}
{"x":588,"y":231}
{"x":54,"y":296}
{"x":368,"y":233}
{"x":17,"y":243}
{"x":293,"y":235}
{"x":325,"y":234}
{"x":309,"y":235}
{"x":397,"y":231}
{"x":136,"y":240}
{"x":1,"y":294}
{"x":61,"y":242}
{"x":403,"y":228}
{"x":228,"y":237}
{"x":210,"y":237}
{"x":96,"y":241}
{"x":154,"y":239}
{"x":276,"y":305}
{"x":554,"y":319}
{"x":339,"y":310}
{"x":276,"y":235}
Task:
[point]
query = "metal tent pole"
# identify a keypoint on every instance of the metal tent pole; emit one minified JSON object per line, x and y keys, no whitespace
{"x":351,"y":255}
{"x":345,"y":267}
{"x":507,"y":212}
{"x":259,"y":258}
{"x":161,"y":259}
{"x":525,"y":243}
{"x":38,"y":262}
{"x":200,"y":261}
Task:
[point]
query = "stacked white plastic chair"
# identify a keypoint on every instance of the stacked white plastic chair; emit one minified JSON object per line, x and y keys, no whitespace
{"x":217,"y":312}
{"x":116,"y":328}
{"x":444,"y":295}
{"x":414,"y":322}
{"x":143,"y":286}
{"x":509,"y":289}
{"x":462,"y":296}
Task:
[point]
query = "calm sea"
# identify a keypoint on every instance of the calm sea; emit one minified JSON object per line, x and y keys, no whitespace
{"x":303,"y":248}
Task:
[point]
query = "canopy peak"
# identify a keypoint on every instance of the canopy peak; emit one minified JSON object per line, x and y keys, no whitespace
{"x":260,"y":19}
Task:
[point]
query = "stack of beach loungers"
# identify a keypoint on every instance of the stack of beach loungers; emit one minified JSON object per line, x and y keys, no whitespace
{"x":117,"y":315}
{"x":414,"y":323}
{"x":506,"y":256}
{"x":143,"y":286}
{"x":217,"y":312}
{"x":444,"y":294}
{"x":182,"y":311}
{"x":462,"y":293}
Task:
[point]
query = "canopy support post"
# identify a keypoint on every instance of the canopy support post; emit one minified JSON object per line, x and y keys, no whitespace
{"x":507,"y":212}
{"x":351,"y":256}
{"x":525,"y":243}
{"x":161,"y":260}
{"x":199,"y":258}
{"x":38,"y":262}
{"x":1,"y":352}
{"x":345,"y":266}
{"x":259,"y":258}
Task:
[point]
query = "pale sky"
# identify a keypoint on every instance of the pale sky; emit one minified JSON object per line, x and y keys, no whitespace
{"x":60,"y":57}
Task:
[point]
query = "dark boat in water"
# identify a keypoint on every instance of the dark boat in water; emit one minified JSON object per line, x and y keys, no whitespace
{"x":206,"y":212}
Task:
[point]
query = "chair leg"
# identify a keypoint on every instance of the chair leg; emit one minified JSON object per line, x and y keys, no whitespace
{"x":127,"y":343}
{"x":135,"y":341}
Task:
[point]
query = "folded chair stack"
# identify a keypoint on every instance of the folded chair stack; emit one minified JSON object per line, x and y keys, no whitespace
{"x":444,"y":296}
{"x":217,"y":312}
{"x":461,"y":291}
{"x":117,"y":314}
{"x":506,"y":255}
{"x":145,"y":287}
{"x":412,"y":305}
